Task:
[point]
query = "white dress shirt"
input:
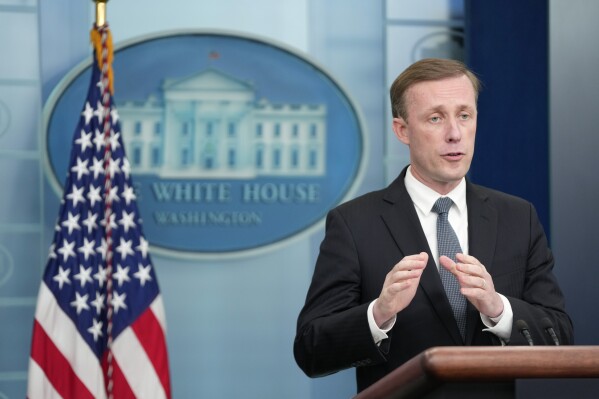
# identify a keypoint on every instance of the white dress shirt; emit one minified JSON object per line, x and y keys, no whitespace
{"x":424,"y":198}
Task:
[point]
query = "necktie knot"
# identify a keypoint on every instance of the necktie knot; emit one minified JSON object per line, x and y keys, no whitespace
{"x":442,"y":205}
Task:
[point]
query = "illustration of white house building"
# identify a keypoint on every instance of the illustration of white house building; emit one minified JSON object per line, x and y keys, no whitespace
{"x":211,"y":125}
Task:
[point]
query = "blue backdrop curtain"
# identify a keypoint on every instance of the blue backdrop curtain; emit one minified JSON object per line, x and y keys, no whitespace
{"x":507,"y":46}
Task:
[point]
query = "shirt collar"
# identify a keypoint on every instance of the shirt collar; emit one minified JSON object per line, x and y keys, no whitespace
{"x":424,"y":197}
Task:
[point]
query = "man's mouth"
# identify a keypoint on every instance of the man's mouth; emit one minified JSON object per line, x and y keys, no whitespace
{"x":453,"y":156}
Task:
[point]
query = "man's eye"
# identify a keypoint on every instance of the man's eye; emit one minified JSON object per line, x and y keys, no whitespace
{"x":435,"y":119}
{"x":464,"y":117}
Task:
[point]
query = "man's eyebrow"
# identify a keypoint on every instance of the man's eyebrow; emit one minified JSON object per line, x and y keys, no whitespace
{"x":436,"y":108}
{"x":442,"y":108}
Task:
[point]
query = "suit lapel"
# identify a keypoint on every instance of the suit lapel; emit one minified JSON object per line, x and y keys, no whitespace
{"x":482,"y":226}
{"x":403,"y":224}
{"x":482,"y":235}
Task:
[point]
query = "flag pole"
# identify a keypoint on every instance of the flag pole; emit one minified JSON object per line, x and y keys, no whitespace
{"x":102,"y":42}
{"x":100,"y":12}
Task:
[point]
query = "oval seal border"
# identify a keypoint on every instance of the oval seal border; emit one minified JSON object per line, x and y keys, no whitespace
{"x":158,"y":249}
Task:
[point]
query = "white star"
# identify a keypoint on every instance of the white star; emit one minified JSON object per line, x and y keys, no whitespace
{"x":101,"y":276}
{"x":97,"y":167}
{"x":127,"y":220}
{"x":126,"y":168}
{"x":96,"y":329}
{"x":52,"y":254}
{"x":121,"y":275}
{"x":87,"y":113}
{"x":72,"y":222}
{"x":94,"y":195}
{"x":80,"y":168}
{"x":98,"y":303}
{"x":76,"y":195}
{"x":115,"y":115}
{"x":90,"y":222}
{"x":66,"y":250}
{"x":113,"y":167}
{"x":62,"y":277}
{"x":80,"y":302}
{"x":111,"y":224}
{"x":128,"y":194}
{"x":99,"y":112}
{"x":100,"y":85}
{"x":84,"y":140}
{"x":113,"y":195}
{"x":124,"y":248}
{"x":143,"y":274}
{"x":143,"y":247}
{"x":84,"y":275}
{"x":103,"y":248}
{"x":98,"y":139}
{"x":114,"y":140}
{"x":118,"y":301}
{"x":87,"y":249}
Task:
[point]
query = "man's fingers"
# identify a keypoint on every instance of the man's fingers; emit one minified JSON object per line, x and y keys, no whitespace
{"x":402,"y":275}
{"x":463,"y":258}
{"x":471,"y":270}
{"x":411,"y":262}
{"x":448,"y":264}
{"x":422,"y":256}
{"x":472,"y":281}
{"x":402,"y":285}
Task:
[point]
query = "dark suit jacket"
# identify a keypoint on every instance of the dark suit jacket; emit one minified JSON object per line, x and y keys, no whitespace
{"x":367,"y":236}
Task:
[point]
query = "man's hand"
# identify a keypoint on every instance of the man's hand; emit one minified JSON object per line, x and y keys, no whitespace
{"x":476,"y":283}
{"x":399,"y":287}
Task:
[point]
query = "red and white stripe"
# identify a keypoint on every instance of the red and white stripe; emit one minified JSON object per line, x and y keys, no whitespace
{"x":63,"y":366}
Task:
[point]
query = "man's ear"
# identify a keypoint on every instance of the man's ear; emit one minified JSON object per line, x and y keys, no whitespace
{"x":400,"y":128}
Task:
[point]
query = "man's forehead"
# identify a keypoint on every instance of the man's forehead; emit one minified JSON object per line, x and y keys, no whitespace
{"x":449,"y":91}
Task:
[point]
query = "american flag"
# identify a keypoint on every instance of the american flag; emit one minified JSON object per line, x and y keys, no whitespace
{"x":99,"y":328}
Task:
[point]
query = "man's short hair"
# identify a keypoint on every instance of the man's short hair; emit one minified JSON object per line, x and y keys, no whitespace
{"x":425,"y":70}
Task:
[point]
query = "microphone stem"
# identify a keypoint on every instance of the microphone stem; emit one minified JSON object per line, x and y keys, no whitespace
{"x":553,"y":336}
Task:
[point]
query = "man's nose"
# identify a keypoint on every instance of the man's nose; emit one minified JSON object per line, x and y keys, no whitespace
{"x":454,"y":130}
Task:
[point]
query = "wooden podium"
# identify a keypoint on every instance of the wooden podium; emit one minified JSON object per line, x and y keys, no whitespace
{"x":482,"y":372}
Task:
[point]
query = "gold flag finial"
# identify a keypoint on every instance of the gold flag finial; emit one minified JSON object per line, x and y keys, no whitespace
{"x":100,"y":12}
{"x":101,"y":39}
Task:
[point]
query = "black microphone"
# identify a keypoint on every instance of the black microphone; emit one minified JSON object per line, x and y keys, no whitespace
{"x":522,"y":326}
{"x":548,"y":326}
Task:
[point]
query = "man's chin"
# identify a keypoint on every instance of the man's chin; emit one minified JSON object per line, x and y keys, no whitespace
{"x":452,"y":178}
{"x":456,"y":171}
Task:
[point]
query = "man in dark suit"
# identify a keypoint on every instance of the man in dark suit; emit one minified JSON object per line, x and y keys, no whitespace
{"x":377,"y":297}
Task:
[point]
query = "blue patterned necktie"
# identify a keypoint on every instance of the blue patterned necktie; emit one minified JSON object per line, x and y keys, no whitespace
{"x":449,"y":245}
